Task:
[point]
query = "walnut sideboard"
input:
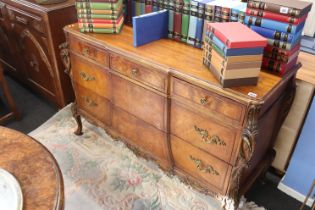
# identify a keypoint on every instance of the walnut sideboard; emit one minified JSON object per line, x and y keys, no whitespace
{"x":29,"y":38}
{"x":165,"y":105}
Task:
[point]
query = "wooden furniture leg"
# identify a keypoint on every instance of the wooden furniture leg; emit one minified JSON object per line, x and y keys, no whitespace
{"x":77,"y":118}
{"x":13,"y":110}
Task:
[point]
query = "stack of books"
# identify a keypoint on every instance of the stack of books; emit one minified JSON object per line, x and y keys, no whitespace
{"x":100,"y":16}
{"x":281,"y":22}
{"x":233,"y":53}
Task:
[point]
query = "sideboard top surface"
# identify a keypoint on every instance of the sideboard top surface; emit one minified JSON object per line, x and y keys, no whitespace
{"x":178,"y":58}
{"x":44,"y":8}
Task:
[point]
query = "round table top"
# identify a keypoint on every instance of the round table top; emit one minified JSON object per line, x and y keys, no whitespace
{"x":35,"y":169}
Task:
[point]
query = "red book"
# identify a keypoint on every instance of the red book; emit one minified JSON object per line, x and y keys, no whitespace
{"x":148,"y":6}
{"x":276,"y":16}
{"x":237,"y":35}
{"x":281,"y":51}
{"x":177,"y":26}
{"x":279,"y":68}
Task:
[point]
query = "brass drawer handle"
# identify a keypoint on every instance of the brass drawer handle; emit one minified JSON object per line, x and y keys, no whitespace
{"x":86,"y":77}
{"x":204,"y":100}
{"x":206,"y":169}
{"x":89,"y":101}
{"x":214,"y":139}
{"x":86,"y":51}
{"x":134,"y":72}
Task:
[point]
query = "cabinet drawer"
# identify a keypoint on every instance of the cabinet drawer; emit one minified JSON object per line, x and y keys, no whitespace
{"x":145,"y":104}
{"x":95,"y":105}
{"x":89,"y":51}
{"x":203,"y":167}
{"x":149,"y":76}
{"x":27,"y":19}
{"x":219,"y":106}
{"x":204,"y":133}
{"x":147,"y":138}
{"x":90,"y":76}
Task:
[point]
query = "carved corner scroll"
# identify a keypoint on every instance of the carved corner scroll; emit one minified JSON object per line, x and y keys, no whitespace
{"x":65,"y":56}
{"x":247,"y":149}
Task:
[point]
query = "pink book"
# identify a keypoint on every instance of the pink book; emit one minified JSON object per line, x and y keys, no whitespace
{"x":237,"y":35}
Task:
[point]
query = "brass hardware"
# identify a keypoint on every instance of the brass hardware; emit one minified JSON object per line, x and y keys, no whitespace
{"x":206,"y":169}
{"x":86,"y":77}
{"x":204,"y":100}
{"x":89,"y":101}
{"x":134,"y":72}
{"x":21,"y":20}
{"x":214,"y":139}
{"x":86,"y":51}
{"x":65,"y":58}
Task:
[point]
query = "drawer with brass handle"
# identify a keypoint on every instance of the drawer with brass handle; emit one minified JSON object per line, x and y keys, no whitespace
{"x":204,"y":132}
{"x":201,"y":166}
{"x":90,"y":76}
{"x":94,"y":105}
{"x":219,"y":106}
{"x":149,"y":76}
{"x":89,"y":51}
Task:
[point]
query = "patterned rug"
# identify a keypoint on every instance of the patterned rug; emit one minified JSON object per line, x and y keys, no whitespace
{"x":100,"y":173}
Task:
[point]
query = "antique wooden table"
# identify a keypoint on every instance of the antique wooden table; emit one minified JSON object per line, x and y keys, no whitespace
{"x":35,"y":169}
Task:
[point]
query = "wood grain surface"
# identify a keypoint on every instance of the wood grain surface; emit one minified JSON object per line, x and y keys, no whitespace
{"x":35,"y":169}
{"x":307,"y":71}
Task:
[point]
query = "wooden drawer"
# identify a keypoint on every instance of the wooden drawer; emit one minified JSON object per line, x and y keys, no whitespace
{"x":90,"y":76}
{"x":203,"y":167}
{"x":204,"y":133}
{"x":146,"y":105}
{"x":95,"y":105}
{"x":151,"y":77}
{"x":219,"y":106}
{"x":89,"y":51}
{"x":147,"y":138}
{"x":26,"y":19}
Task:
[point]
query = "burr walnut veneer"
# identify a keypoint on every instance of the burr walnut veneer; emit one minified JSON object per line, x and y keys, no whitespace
{"x":167,"y":106}
{"x":29,"y":38}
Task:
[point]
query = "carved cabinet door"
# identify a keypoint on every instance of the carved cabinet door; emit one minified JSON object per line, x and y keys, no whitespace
{"x":7,"y":44}
{"x":36,"y":59}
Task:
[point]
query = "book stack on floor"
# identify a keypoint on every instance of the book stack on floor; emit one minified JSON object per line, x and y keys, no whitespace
{"x":233,"y":53}
{"x":100,"y":16}
{"x":281,"y":22}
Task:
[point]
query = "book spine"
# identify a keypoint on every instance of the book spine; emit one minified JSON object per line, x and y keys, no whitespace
{"x":138,"y":7}
{"x":217,"y":42}
{"x":225,"y":14}
{"x":278,"y":67}
{"x":192,"y":23}
{"x":98,"y":6}
{"x":273,"y":34}
{"x":208,"y":18}
{"x":148,"y":6}
{"x":133,"y":8}
{"x":280,"y":57}
{"x":217,"y":14}
{"x":277,"y":50}
{"x":178,"y":9}
{"x":154,"y":5}
{"x":274,"y":8}
{"x":199,"y":28}
{"x":142,"y":7}
{"x":185,"y":20}
{"x":280,"y":44}
{"x":170,"y":7}
{"x":241,"y":16}
{"x":234,"y":15}
{"x":271,"y":24}
{"x":275,"y":16}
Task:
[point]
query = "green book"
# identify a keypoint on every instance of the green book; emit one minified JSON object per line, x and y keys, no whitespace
{"x":138,"y":7}
{"x":185,"y":20}
{"x":98,"y":5}
{"x":170,"y":7}
{"x":113,"y":30}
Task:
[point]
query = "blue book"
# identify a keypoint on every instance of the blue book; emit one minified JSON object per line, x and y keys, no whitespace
{"x":150,"y":27}
{"x":154,"y":6}
{"x":272,"y":24}
{"x":142,"y":7}
{"x":133,"y":8}
{"x":210,"y":37}
{"x":277,"y":35}
{"x":191,"y":38}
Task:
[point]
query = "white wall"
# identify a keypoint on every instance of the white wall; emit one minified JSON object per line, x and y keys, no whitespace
{"x":309,"y":28}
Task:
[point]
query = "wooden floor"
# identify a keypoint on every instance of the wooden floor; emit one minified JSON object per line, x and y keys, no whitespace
{"x":307,"y":71}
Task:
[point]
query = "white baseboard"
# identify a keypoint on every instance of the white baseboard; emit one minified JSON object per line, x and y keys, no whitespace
{"x":295,"y":194}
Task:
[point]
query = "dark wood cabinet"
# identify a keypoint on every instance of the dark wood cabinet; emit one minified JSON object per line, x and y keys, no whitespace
{"x":29,"y":38}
